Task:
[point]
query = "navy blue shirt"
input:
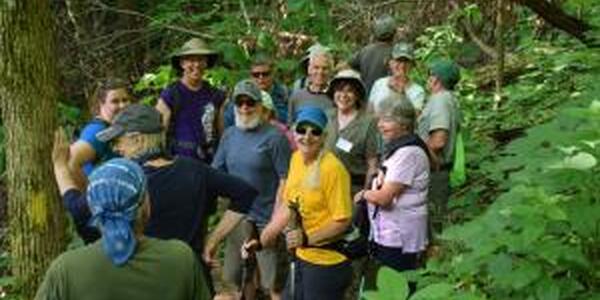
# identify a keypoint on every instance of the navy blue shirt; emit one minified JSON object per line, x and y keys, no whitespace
{"x":182,"y":195}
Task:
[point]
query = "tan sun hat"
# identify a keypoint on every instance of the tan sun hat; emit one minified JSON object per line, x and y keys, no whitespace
{"x":194,"y":46}
{"x":350,"y":76}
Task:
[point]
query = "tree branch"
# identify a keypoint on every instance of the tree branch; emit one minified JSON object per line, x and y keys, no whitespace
{"x":155,"y":21}
{"x":554,"y":15}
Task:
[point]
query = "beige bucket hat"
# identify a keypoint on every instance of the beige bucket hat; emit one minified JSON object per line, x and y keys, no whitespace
{"x":194,"y":46}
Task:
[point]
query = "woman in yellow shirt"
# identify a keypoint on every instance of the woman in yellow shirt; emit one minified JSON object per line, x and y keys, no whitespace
{"x":317,"y":194}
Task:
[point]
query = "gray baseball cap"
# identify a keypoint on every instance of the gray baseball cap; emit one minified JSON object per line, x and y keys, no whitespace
{"x":249,"y":88}
{"x":384,"y":27}
{"x":133,"y":118}
{"x":403,"y":50}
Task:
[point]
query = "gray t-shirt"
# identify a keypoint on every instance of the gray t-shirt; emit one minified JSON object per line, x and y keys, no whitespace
{"x":302,"y":97}
{"x":381,"y":91}
{"x":370,"y":61}
{"x":441,"y":112}
{"x":261,"y":157}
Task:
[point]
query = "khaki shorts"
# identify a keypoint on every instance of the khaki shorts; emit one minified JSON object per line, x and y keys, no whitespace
{"x":272,"y":262}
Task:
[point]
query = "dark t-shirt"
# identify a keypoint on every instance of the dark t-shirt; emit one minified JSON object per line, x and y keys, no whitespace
{"x":192,"y":111}
{"x":370,"y":61}
{"x":182,"y":195}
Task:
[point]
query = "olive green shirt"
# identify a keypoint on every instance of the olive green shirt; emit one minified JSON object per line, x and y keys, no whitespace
{"x":158,"y":270}
{"x":355,"y":143}
{"x":441,"y":112}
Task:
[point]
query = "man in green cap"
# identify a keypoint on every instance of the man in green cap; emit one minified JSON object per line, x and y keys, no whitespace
{"x":191,"y":107}
{"x":398,"y":85}
{"x":370,"y":61}
{"x":438,"y":126}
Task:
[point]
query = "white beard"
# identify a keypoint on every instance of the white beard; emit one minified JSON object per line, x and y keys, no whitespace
{"x":247,"y":122}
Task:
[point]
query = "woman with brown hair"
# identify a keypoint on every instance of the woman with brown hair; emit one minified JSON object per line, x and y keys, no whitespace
{"x":110,"y":97}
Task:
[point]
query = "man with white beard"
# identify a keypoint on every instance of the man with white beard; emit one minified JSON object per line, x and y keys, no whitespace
{"x":259,"y":153}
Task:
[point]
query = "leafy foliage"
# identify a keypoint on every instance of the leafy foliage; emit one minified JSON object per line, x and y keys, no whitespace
{"x":540,"y":237}
{"x":391,"y":285}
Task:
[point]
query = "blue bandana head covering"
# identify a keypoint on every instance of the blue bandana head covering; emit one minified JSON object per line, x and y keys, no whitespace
{"x":114,"y":193}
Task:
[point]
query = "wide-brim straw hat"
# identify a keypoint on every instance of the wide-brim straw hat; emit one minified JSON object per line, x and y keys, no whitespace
{"x":351,"y":76}
{"x":195,"y":46}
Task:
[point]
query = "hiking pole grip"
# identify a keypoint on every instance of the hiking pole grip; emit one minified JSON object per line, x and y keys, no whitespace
{"x":293,"y":224}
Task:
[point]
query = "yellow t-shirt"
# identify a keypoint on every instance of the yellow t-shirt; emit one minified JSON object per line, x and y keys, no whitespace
{"x":318,"y":206}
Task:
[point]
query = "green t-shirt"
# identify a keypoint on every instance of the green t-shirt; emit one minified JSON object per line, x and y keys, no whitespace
{"x":353,"y":144}
{"x":158,"y":270}
{"x":441,"y":112}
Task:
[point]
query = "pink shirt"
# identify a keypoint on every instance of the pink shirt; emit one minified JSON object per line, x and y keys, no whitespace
{"x":404,"y":223}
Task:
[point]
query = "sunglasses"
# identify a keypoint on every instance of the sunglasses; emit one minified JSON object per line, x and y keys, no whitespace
{"x":246,"y":102}
{"x":314,"y":131}
{"x":261,"y":74}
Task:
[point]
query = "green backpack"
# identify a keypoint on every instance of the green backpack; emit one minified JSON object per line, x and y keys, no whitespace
{"x":458,"y":174}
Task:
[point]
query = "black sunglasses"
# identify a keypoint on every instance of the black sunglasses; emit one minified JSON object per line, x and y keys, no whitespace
{"x":306,"y":129}
{"x":247,"y":102}
{"x":261,"y":74}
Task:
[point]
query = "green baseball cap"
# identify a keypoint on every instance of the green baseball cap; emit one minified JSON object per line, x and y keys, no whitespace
{"x":403,"y":50}
{"x":447,"y":72}
{"x":384,"y":27}
{"x":248,"y":88}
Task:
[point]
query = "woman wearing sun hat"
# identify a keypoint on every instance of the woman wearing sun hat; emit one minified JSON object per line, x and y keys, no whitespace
{"x":353,"y":136}
{"x":191,"y":106}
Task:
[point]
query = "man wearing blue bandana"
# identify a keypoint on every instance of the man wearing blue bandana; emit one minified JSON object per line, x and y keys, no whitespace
{"x":123,"y":264}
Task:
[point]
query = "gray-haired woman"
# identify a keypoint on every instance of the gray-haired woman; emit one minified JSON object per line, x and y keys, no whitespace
{"x":397,"y":200}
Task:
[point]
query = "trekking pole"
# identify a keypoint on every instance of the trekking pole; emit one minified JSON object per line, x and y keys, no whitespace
{"x":293,"y":224}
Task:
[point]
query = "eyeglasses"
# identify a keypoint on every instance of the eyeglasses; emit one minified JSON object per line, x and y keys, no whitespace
{"x":261,"y":74}
{"x":247,"y":102}
{"x":314,"y":131}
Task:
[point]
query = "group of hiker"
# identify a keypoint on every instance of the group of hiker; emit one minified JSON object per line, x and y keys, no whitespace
{"x":322,"y":182}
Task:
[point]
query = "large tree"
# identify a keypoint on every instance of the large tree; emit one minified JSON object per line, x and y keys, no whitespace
{"x":28,"y":97}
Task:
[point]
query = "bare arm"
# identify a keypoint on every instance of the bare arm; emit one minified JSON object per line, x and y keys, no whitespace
{"x":328,"y":232}
{"x":165,"y":111}
{"x":278,"y":222}
{"x":81,"y":152}
{"x":436,"y":142}
{"x":60,"y":158}
{"x":385,"y":195}
{"x":371,"y":169}
{"x":227,"y":223}
{"x":220,"y":120}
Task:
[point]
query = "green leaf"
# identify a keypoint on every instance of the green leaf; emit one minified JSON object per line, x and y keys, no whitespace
{"x":547,"y":290}
{"x":391,"y":285}
{"x":500,"y":266}
{"x":524,"y":274}
{"x":434,"y":291}
{"x":579,"y":161}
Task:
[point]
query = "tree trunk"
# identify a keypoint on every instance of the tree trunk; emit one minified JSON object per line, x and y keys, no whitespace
{"x":28,"y":97}
{"x":498,"y":96}
{"x":554,"y":15}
